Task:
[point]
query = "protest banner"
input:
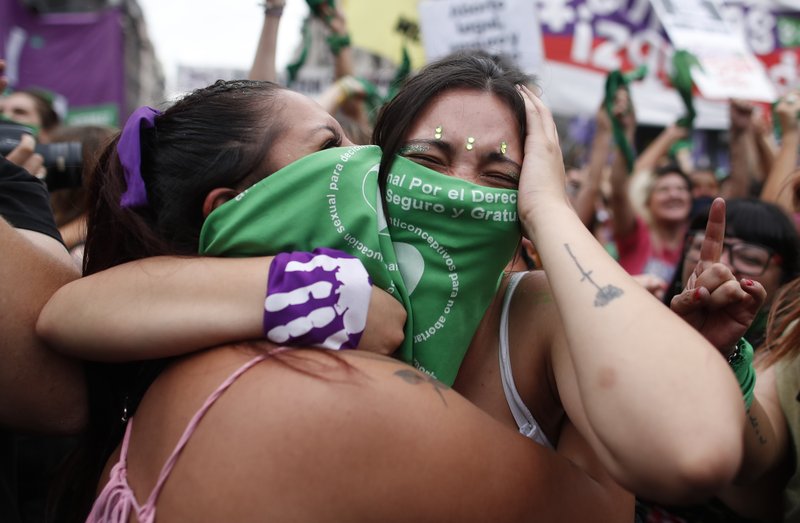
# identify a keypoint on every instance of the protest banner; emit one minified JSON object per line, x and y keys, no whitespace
{"x":584,"y":39}
{"x":725,"y":67}
{"x":572,"y":44}
{"x":508,"y":27}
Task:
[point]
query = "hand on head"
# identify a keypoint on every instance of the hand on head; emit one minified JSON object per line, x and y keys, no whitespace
{"x":542,"y":180}
{"x":714,"y":302}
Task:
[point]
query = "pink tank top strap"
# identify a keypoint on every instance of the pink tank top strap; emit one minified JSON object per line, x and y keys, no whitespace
{"x":190,"y":428}
{"x":116,"y":501}
{"x":123,"y":452}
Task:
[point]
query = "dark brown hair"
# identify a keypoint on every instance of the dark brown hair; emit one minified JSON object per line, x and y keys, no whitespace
{"x":218,"y":136}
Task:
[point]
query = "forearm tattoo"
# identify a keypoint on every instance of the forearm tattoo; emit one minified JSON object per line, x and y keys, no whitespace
{"x":605,"y":295}
{"x":415,"y":378}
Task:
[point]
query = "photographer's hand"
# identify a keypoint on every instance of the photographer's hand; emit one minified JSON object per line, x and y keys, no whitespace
{"x":24,"y":156}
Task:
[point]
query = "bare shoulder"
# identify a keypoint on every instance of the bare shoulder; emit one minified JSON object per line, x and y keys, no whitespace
{"x":312,"y":435}
{"x":533,"y":326}
{"x":533,"y":308}
{"x":310,"y":417}
{"x":534,"y":290}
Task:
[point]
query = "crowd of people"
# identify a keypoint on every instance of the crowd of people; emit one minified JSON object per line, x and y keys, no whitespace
{"x":344,"y":310}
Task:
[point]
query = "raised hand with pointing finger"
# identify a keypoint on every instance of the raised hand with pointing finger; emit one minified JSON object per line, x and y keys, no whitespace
{"x":714,"y":302}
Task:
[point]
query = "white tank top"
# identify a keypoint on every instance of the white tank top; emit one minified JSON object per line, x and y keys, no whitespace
{"x":527,"y":424}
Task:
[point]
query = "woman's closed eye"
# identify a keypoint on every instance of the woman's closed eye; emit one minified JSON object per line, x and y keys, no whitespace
{"x":333,"y":141}
{"x":332,"y":137}
{"x":424,"y":159}
{"x":426,"y":154}
{"x":501,"y":179}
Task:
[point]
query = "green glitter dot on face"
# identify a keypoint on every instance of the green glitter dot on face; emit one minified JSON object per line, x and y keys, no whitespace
{"x":503,"y":147}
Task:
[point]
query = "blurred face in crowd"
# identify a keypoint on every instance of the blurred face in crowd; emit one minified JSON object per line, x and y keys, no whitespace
{"x":468,"y":134}
{"x":670,"y":199}
{"x":704,"y":184}
{"x":746,"y":260}
{"x":21,"y":108}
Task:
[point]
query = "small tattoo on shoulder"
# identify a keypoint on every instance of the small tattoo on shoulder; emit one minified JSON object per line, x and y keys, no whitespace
{"x":605,"y":295}
{"x":754,"y":423}
{"x":414,"y":377}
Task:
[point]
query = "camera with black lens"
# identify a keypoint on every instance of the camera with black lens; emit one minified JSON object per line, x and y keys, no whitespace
{"x":63,"y":161}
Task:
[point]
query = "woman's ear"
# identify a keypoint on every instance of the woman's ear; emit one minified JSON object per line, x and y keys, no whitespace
{"x":217,"y":197}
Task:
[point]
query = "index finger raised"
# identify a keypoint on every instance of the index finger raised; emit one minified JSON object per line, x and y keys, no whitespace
{"x":711,"y":250}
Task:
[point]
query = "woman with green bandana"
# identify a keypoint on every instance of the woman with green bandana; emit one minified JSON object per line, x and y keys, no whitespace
{"x":607,"y":392}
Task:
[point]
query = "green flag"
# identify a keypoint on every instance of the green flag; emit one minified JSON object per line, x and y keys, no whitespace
{"x":614,"y":81}
{"x":440,"y":248}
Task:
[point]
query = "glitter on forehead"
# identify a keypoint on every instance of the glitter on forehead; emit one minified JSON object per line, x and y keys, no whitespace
{"x":503,"y":147}
{"x":438,"y":133}
{"x":470,"y":143}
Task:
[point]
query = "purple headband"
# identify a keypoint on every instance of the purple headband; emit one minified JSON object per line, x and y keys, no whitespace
{"x":129,"y":150}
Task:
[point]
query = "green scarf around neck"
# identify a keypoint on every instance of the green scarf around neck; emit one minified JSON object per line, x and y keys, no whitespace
{"x":440,"y":251}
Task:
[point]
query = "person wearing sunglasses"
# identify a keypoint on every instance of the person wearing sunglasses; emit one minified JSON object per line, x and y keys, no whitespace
{"x":761,"y":244}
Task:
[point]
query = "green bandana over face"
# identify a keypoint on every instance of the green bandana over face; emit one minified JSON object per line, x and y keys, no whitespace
{"x":441,"y":250}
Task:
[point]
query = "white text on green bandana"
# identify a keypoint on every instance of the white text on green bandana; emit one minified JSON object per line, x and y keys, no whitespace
{"x":440,"y":251}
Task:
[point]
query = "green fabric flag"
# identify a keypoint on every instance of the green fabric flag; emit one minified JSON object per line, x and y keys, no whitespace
{"x":614,"y":81}
{"x":401,"y":75}
{"x":682,"y":63}
{"x":315,"y":6}
{"x":294,"y":68}
{"x":440,"y":249}
{"x":373,"y":100}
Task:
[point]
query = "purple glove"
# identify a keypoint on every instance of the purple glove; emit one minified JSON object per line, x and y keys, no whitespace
{"x":317,"y":299}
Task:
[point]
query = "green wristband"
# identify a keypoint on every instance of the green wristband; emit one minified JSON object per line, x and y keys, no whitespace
{"x":741,"y":361}
{"x":338,"y":42}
